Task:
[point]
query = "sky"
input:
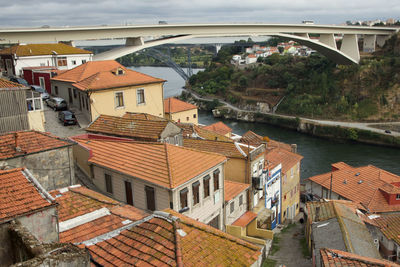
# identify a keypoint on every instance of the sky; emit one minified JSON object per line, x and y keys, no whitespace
{"x":36,"y":13}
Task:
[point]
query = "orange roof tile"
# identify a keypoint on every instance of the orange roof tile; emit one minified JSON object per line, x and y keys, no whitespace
{"x":254,"y":139}
{"x":173,"y":105}
{"x":245,"y":219}
{"x":19,"y":195}
{"x":340,"y":165}
{"x":219,"y":127}
{"x":338,"y":258}
{"x":17,"y":144}
{"x":362,"y":185}
{"x":142,"y":116}
{"x":158,"y":242}
{"x":163,"y":164}
{"x":9,"y":84}
{"x":191,"y":130}
{"x":286,"y":158}
{"x":232,"y":189}
{"x":389,"y":225}
{"x":228,"y":149}
{"x":42,"y":49}
{"x":146,"y":130}
{"x":97,"y":75}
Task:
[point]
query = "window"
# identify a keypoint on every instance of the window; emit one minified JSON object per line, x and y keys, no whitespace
{"x":150,"y":198}
{"x":33,"y":101}
{"x":216,"y":180}
{"x":187,"y":118}
{"x":291,"y":172}
{"x":108,"y":179}
{"x":61,"y":61}
{"x":140,"y":96}
{"x":206,"y":185}
{"x":119,"y":99}
{"x":232,"y":207}
{"x":73,"y":62}
{"x":397,"y":196}
{"x":241,"y":200}
{"x":83,"y":61}
{"x":284,"y":179}
{"x":75,"y":93}
{"x":42,"y":82}
{"x":56,"y":90}
{"x":194,"y":116}
{"x":183,"y":198}
{"x":87,"y":104}
{"x":2,"y":64}
{"x":196,"y":192}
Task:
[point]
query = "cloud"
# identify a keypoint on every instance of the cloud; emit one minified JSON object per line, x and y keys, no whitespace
{"x":34,"y":13}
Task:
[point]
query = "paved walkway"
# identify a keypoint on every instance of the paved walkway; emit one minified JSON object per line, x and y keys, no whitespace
{"x":290,"y":251}
{"x":54,"y":126}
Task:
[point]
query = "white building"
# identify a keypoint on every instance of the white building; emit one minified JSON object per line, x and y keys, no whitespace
{"x":273,"y":194}
{"x":252,"y":58}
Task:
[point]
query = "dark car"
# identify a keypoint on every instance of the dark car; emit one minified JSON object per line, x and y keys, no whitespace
{"x":57,"y":103}
{"x":67,"y":117}
{"x":19,"y":80}
{"x":40,"y":90}
{"x":388,"y":131}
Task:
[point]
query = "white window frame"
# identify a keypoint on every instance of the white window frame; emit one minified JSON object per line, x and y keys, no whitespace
{"x":34,"y":99}
{"x":137,"y":97}
{"x":42,"y":82}
{"x":116,"y":102}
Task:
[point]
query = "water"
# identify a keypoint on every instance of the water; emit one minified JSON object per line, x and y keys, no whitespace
{"x":318,"y":153}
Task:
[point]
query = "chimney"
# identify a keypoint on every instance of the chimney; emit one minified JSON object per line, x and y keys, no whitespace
{"x":294,"y":148}
{"x":17,"y":147}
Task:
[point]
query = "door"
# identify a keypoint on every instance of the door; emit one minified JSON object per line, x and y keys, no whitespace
{"x":128,"y":193}
{"x":42,"y":83}
{"x":150,"y":198}
{"x":214,"y":222}
{"x":70,"y":95}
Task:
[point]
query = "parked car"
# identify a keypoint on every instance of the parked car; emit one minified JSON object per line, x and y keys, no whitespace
{"x":57,"y":103}
{"x":19,"y":80}
{"x":388,"y":131}
{"x":67,"y":117}
{"x":40,"y":90}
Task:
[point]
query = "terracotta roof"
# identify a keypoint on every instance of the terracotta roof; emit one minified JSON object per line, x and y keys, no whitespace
{"x":286,"y":158}
{"x":177,"y":240}
{"x":254,"y":139}
{"x":338,"y":258}
{"x":128,"y":127}
{"x":191,"y":130}
{"x":173,"y":105}
{"x":142,"y":116}
{"x":163,"y":164}
{"x":16,"y":144}
{"x":232,"y":189}
{"x":245,"y":219}
{"x":340,"y":165}
{"x":9,"y":84}
{"x":228,"y":149}
{"x":42,"y":49}
{"x":389,"y":225}
{"x":364,"y":185}
{"x":78,"y":201}
{"x":219,"y":127}
{"x":20,"y":195}
{"x":96,"y":75}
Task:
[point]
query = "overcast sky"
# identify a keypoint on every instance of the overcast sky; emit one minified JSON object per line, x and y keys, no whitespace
{"x":36,"y":13}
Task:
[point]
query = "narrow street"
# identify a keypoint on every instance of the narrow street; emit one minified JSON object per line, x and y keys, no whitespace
{"x":54,"y":126}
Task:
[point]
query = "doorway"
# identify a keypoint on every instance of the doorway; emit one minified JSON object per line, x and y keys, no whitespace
{"x":128,"y":193}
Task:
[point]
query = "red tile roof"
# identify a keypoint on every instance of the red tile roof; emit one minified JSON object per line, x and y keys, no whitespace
{"x":232,"y":189}
{"x":362,"y":185}
{"x":177,"y":240}
{"x":389,"y":225}
{"x":173,"y":105}
{"x":254,"y":139}
{"x":78,"y":201}
{"x":146,"y":130}
{"x":219,"y":127}
{"x":16,"y":144}
{"x":191,"y":130}
{"x":9,"y":84}
{"x":286,"y":158}
{"x":338,"y":258}
{"x":228,"y":149}
{"x":42,"y":49}
{"x":163,"y":164}
{"x":20,"y":195}
{"x":97,"y":75}
{"x":245,"y":219}
{"x":142,"y":116}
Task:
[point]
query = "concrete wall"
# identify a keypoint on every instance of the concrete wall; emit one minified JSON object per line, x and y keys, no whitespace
{"x":239,"y":209}
{"x":290,"y":192}
{"x":81,"y":156}
{"x":6,"y":249}
{"x":236,"y":170}
{"x":36,"y":120}
{"x":53,"y":169}
{"x":187,"y":116}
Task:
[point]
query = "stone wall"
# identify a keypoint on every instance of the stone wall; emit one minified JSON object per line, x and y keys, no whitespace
{"x":53,"y":169}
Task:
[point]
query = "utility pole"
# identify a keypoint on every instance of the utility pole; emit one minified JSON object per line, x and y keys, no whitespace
{"x":330,"y":189}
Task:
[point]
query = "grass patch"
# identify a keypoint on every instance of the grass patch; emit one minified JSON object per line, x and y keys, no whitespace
{"x":304,"y":247}
{"x":284,"y":230}
{"x":269,"y":263}
{"x":275,"y":244}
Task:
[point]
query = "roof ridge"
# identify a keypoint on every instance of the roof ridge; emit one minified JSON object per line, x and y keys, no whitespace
{"x":178,"y":245}
{"x":168,"y":165}
{"x":343,"y":228}
{"x":94,"y":198}
{"x":201,"y":151}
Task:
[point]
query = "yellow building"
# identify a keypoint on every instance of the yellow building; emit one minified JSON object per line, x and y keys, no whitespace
{"x":180,"y":111}
{"x":290,"y":190}
{"x":107,"y":87}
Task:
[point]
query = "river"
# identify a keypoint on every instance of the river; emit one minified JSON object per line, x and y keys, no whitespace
{"x":318,"y":153}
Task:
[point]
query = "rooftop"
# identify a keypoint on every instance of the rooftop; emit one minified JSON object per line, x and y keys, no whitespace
{"x":128,"y":127}
{"x":245,"y":219}
{"x":172,"y":239}
{"x":97,"y":75}
{"x":365,"y":185}
{"x":21,"y":194}
{"x":142,"y":116}
{"x":233,"y":189}
{"x":286,"y":158}
{"x":254,"y":139}
{"x":164,"y":164}
{"x":24,"y":50}
{"x":389,"y":225}
{"x":173,"y":105}
{"x":191,"y":130}
{"x":17,"y":144}
{"x":9,"y":84}
{"x":228,"y":149}
{"x":219,"y":127}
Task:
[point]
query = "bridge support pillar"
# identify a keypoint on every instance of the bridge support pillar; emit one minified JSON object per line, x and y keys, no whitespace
{"x":217,"y":48}
{"x":328,"y":39}
{"x":381,"y":40}
{"x":134,"y":41}
{"x":303,"y":34}
{"x":369,"y":43}
{"x":350,"y":46}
